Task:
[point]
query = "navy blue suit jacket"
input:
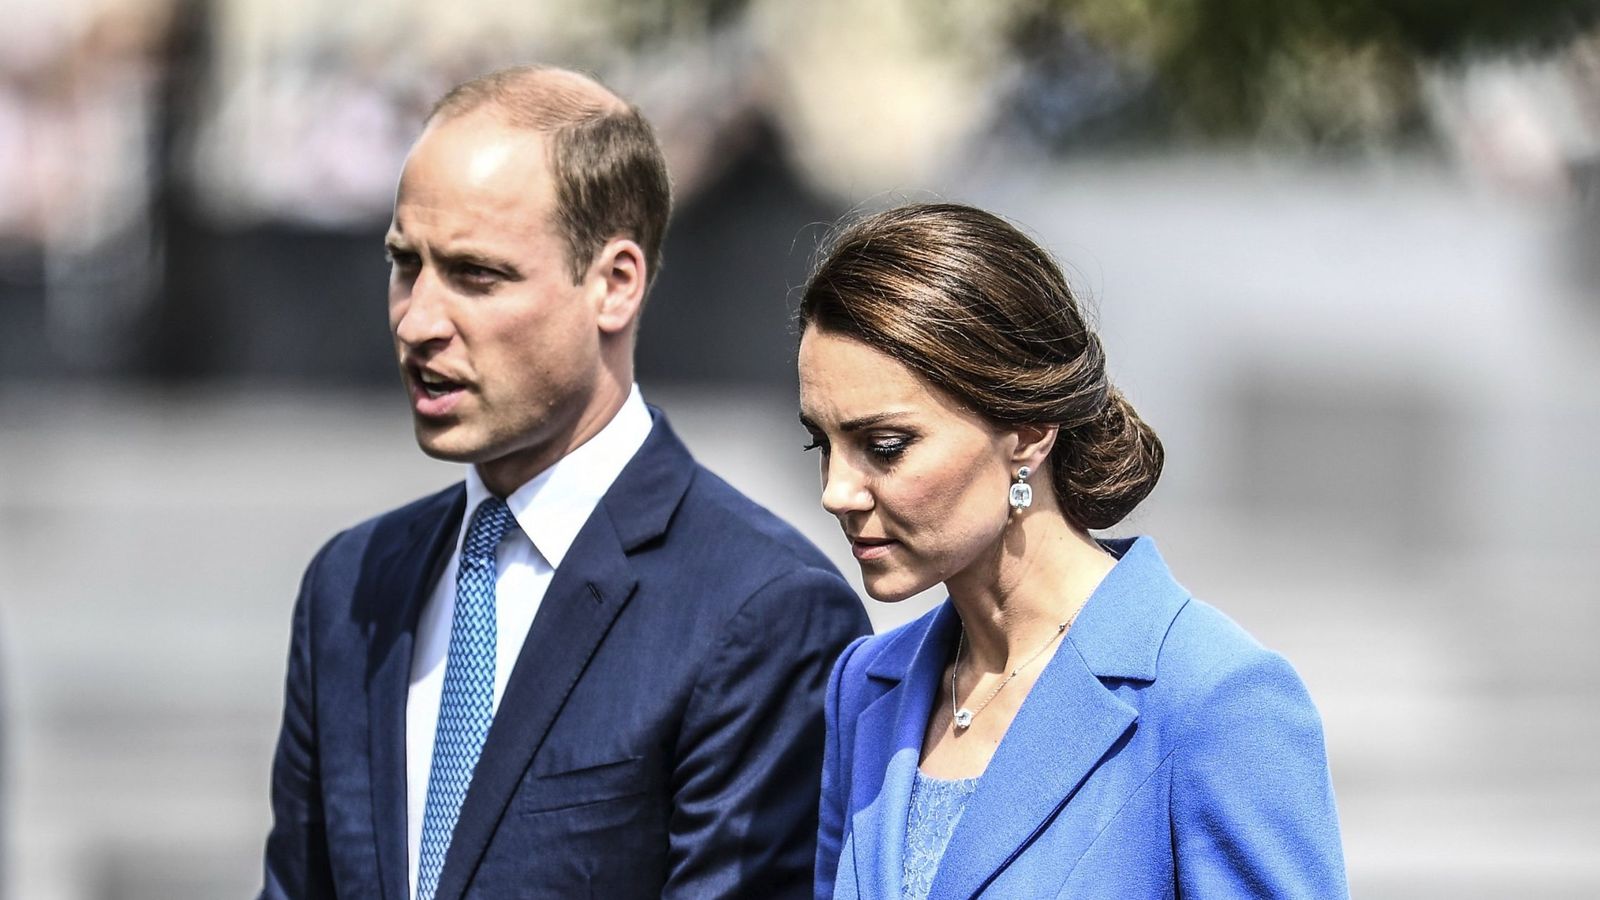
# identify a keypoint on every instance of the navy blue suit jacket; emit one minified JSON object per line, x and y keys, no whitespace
{"x":1161,"y":753}
{"x":661,"y":733}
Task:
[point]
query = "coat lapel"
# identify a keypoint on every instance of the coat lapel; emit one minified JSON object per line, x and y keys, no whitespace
{"x":1069,"y":722}
{"x":400,"y":580}
{"x":1067,"y":725}
{"x":888,"y":748}
{"x":589,"y":590}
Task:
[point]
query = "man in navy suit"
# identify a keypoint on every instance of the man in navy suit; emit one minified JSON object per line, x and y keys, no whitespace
{"x":594,"y":669}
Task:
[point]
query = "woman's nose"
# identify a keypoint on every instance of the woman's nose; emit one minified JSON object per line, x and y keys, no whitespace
{"x":843,"y":489}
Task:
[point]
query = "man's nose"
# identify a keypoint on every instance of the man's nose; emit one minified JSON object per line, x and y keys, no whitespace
{"x":424,"y":312}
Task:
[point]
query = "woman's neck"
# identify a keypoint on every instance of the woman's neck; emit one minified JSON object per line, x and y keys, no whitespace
{"x":1013,"y":601}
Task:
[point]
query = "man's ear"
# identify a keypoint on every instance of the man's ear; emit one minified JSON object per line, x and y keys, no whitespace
{"x":619,"y":274}
{"x":1034,"y":443}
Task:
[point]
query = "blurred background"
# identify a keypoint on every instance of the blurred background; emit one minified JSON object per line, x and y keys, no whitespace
{"x":1345,"y":255}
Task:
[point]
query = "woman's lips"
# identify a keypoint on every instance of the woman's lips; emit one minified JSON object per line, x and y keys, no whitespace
{"x":866,"y":549}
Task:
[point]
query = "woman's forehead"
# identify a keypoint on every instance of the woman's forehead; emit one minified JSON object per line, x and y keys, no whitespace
{"x":843,"y":381}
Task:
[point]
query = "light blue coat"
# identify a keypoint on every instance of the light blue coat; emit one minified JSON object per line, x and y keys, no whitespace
{"x":1161,"y":753}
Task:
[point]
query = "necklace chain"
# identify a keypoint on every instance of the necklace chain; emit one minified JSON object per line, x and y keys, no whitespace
{"x":962,"y":715}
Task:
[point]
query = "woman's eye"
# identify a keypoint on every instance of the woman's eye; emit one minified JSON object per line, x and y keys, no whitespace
{"x":817,"y":444}
{"x":888,"y":448}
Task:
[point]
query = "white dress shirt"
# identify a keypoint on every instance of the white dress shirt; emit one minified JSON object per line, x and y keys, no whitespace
{"x":550,"y":511}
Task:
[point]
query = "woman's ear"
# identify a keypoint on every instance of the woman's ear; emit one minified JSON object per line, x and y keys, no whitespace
{"x":1033,"y":445}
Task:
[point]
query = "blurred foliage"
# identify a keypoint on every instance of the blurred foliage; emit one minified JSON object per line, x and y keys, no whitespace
{"x":637,"y":24}
{"x":1314,"y":71}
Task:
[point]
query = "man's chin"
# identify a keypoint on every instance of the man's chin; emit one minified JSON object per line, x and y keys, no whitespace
{"x":448,"y":444}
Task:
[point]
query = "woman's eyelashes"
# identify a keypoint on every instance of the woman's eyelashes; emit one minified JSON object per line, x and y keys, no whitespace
{"x":886,"y":448}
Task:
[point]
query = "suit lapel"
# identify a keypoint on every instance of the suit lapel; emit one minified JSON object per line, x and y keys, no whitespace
{"x":888,"y":748}
{"x":592,"y":586}
{"x":589,"y":590}
{"x":400,"y":580}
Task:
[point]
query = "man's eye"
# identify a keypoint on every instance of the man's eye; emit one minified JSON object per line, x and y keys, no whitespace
{"x":401,"y":259}
{"x":474,"y":279}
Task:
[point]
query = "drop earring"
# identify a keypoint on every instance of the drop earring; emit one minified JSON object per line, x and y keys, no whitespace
{"x":1022,"y":492}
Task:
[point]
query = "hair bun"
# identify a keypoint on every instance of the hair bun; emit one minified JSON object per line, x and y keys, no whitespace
{"x":1105,"y":467}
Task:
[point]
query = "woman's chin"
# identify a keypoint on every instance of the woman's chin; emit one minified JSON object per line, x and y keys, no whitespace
{"x":891,"y":590}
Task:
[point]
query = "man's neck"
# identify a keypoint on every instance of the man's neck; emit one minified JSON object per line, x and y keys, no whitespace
{"x":505,"y":474}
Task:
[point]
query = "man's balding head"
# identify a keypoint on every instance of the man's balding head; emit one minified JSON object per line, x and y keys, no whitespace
{"x":610,"y":177}
{"x":540,"y":98}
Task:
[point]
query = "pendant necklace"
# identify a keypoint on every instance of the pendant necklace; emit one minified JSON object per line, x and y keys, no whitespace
{"x":964,"y":715}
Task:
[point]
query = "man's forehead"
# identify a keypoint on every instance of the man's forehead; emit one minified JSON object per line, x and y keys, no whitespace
{"x":478,"y":143}
{"x":477,"y":166}
{"x":486,"y":161}
{"x":443,"y":225}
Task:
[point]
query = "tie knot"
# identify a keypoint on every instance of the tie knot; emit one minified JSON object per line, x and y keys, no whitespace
{"x":489,"y":523}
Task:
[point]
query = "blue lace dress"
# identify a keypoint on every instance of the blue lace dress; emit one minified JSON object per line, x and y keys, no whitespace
{"x":936,"y":806}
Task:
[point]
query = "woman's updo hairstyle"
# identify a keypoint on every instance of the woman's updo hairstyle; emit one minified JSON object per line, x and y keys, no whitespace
{"x":967,"y":301}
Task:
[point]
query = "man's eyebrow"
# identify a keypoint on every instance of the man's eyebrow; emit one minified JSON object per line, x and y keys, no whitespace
{"x":394,"y":243}
{"x":483,"y":260}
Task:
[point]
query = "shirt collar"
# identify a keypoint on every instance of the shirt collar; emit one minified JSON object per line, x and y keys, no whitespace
{"x":552,"y":508}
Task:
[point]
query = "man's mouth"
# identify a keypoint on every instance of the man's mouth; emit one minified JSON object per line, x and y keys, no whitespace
{"x":435,"y":385}
{"x":433,"y":395}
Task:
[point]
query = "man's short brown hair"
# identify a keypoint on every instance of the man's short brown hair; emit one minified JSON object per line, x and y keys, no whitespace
{"x":609,"y":173}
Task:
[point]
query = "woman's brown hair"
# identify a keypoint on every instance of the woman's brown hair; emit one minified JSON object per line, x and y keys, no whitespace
{"x":967,"y":301}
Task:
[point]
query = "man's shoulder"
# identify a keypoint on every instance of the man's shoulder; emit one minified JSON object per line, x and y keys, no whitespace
{"x":715,"y":509}
{"x":722,"y":555}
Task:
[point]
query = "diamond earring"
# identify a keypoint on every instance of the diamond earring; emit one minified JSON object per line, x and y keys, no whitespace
{"x":1021,"y":491}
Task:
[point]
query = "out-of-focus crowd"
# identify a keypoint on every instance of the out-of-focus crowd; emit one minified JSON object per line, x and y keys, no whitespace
{"x":112,"y":111}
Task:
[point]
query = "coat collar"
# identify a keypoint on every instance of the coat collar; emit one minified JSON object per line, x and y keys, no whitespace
{"x":1118,"y":633}
{"x":1068,"y":723}
{"x":1120,"y":630}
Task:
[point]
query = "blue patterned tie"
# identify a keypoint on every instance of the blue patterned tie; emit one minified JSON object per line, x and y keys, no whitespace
{"x":466,"y":706}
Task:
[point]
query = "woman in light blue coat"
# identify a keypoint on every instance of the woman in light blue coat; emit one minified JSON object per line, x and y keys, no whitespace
{"x":1071,"y":722}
